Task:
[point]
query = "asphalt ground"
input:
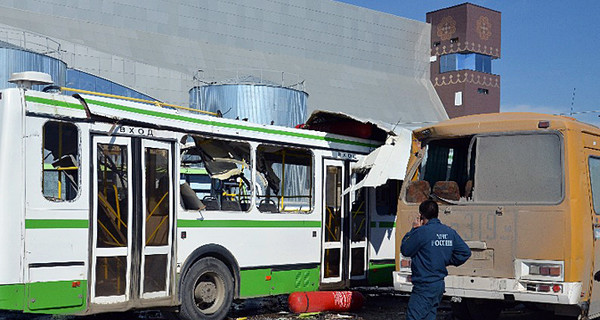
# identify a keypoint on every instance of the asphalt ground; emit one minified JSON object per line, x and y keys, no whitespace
{"x":380,"y":304}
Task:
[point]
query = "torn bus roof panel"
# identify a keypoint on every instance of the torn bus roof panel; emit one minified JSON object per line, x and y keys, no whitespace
{"x":347,"y":125}
{"x":387,"y":162}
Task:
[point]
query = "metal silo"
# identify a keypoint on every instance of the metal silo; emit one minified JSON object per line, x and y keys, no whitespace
{"x":16,"y":59}
{"x":254,"y":100}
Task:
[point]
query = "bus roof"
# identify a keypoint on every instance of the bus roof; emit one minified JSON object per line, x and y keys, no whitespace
{"x":501,"y":122}
{"x":123,"y":110}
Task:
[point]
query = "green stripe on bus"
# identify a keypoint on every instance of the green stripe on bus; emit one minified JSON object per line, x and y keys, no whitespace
{"x":380,"y":274}
{"x":56,"y":224}
{"x":57,"y":103}
{"x":56,"y":297}
{"x":247,"y":224}
{"x":373,"y":224}
{"x":186,"y":170}
{"x":264,"y":282}
{"x":386,"y":224}
{"x":12,"y":296}
{"x":225,"y":125}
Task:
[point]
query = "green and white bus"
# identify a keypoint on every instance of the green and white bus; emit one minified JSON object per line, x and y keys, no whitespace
{"x":110,"y":205}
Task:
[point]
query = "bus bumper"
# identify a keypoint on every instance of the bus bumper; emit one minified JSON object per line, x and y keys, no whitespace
{"x":500,"y":289}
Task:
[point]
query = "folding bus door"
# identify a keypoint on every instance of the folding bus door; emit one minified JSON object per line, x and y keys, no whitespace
{"x":334,"y":215}
{"x":157,"y":222}
{"x":112,"y":220}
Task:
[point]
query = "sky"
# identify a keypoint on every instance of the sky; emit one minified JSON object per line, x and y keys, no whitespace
{"x":549,"y":50}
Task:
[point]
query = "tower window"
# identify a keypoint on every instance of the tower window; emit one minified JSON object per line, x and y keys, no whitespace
{"x":465,"y":61}
{"x":436,"y":44}
{"x":454,"y":40}
{"x":483,"y":91}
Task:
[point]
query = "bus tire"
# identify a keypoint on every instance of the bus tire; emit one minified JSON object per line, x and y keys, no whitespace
{"x":206,"y":291}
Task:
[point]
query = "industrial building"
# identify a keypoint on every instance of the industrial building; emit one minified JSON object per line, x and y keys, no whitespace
{"x":324,"y":54}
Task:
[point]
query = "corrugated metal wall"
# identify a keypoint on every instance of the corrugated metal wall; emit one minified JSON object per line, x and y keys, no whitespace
{"x":263,"y":104}
{"x":15,"y":60}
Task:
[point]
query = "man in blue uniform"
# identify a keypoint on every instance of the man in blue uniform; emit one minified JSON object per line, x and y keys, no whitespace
{"x":431,"y":246}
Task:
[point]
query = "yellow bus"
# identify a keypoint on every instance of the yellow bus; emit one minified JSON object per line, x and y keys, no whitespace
{"x":523,"y":190}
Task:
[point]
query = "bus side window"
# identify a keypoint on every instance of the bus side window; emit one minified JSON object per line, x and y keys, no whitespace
{"x":284,"y":179}
{"x":218,"y":172}
{"x":60,"y":152}
{"x":594,"y":164}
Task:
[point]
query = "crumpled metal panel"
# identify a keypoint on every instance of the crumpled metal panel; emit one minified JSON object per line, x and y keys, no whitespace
{"x":14,"y":60}
{"x":262,"y":104}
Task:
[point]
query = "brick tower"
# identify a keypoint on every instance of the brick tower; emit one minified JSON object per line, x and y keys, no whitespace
{"x":465,"y":39}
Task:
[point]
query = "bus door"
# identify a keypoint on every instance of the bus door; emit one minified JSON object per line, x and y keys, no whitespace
{"x":132,"y":219}
{"x":344,"y":239}
{"x":359,"y":226}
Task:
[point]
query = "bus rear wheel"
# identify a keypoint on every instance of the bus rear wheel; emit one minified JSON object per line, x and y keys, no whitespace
{"x":206,"y":291}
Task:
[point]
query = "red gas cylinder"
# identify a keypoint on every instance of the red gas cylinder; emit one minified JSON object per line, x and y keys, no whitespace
{"x":316,"y":301}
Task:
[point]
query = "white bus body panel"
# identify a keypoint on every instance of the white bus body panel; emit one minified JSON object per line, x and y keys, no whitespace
{"x":496,"y":289}
{"x":12,"y":186}
{"x":58,"y":244}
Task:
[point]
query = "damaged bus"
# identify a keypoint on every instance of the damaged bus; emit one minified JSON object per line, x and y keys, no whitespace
{"x":112,"y":204}
{"x":523,"y":190}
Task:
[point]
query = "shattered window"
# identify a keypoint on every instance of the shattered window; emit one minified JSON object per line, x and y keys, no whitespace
{"x":514,"y":168}
{"x":284,"y":179}
{"x":61,"y":161}
{"x":215,"y":174}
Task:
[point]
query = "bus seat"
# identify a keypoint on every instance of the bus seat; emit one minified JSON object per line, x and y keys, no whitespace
{"x":228,"y":204}
{"x":447,"y":190}
{"x":211,"y":203}
{"x":267,"y":205}
{"x":418,"y":191}
{"x":189,"y":198}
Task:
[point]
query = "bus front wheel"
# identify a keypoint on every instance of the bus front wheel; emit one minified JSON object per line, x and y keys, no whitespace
{"x":206,"y":291}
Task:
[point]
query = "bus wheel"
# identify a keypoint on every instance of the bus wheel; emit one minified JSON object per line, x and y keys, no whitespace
{"x":206,"y":291}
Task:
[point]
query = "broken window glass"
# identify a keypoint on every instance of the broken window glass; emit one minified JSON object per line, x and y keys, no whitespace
{"x":61,"y":161}
{"x":512,"y":168}
{"x":284,"y":179}
{"x":218,"y":171}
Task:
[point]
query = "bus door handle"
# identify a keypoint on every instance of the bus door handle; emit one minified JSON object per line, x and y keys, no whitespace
{"x":500,"y":211}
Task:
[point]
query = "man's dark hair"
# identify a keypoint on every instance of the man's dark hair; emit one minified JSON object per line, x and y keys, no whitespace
{"x":428,"y":209}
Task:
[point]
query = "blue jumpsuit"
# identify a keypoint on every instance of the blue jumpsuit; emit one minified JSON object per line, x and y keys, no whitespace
{"x":431,"y":248}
